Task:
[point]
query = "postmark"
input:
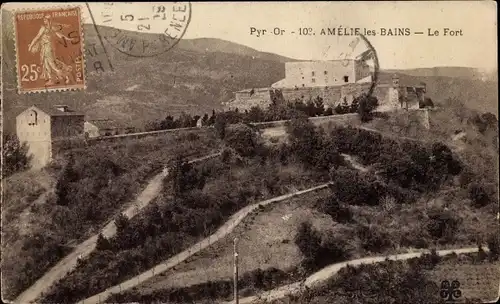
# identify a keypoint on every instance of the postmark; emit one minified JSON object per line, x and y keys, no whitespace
{"x":164,"y":23}
{"x":49,"y":49}
{"x":367,"y":57}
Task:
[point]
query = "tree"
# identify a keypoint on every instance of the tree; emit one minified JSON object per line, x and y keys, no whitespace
{"x":243,"y":140}
{"x":122,"y":222}
{"x":478,"y":195}
{"x":366,"y":105}
{"x":304,"y":139}
{"x":204,"y":120}
{"x":67,"y":176}
{"x":185,"y":177}
{"x":220,"y":125}
{"x":168,"y":123}
{"x":338,"y":211}
{"x":319,"y":106}
{"x":211,"y":120}
{"x":185,"y":121}
{"x":102,"y":243}
{"x":309,"y":242}
{"x":256,"y":114}
{"x":15,"y":155}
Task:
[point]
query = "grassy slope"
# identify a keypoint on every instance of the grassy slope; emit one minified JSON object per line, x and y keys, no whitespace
{"x":92,"y":202}
{"x":265,"y":237}
{"x":404,"y":226}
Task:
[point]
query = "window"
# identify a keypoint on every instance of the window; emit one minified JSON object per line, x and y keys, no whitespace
{"x":326,"y":72}
{"x":303,"y":85}
{"x":313,"y":80}
{"x":346,"y":78}
{"x":302,"y":77}
{"x":312,"y":73}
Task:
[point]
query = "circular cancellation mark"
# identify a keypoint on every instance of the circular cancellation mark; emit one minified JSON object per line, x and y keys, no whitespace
{"x":369,"y":54}
{"x":153,"y":31}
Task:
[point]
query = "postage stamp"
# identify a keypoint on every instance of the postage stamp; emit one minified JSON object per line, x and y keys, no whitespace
{"x":49,"y":50}
{"x":165,"y":22}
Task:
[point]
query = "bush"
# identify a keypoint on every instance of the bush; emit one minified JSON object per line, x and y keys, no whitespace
{"x":102,"y":243}
{"x":338,"y":211}
{"x":493,"y":246}
{"x":185,"y":177}
{"x":366,"y":105}
{"x":319,"y":251}
{"x":243,"y":139}
{"x":14,"y":156}
{"x":478,"y":195}
{"x":220,"y":125}
{"x":373,"y":239}
{"x":353,"y":188}
{"x":443,"y":224}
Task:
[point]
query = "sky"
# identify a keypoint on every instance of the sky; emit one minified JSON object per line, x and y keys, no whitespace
{"x":475,"y":47}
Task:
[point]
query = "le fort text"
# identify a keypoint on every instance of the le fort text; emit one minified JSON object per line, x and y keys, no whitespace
{"x":355,"y":31}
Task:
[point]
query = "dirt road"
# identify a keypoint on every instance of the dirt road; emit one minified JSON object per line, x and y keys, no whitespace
{"x":326,"y":273}
{"x":84,"y":249}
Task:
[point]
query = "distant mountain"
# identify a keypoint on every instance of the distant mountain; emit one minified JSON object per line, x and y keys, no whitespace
{"x":223,"y":46}
{"x":196,"y":76}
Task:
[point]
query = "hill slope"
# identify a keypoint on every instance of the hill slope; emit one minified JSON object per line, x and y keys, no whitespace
{"x":195,"y":77}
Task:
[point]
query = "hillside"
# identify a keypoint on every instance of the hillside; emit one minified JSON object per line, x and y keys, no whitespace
{"x":195,"y":77}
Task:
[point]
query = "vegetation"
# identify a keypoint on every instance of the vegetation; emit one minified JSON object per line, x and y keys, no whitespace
{"x":211,"y":291}
{"x":319,"y":250}
{"x":92,"y":184}
{"x":278,"y":110}
{"x":199,"y":199}
{"x":195,"y":201}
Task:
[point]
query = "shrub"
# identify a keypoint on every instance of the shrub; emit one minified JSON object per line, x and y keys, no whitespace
{"x":243,"y":139}
{"x":443,"y":224}
{"x":319,"y":251}
{"x":102,"y":243}
{"x":353,"y":188}
{"x":220,"y":125}
{"x":14,"y":155}
{"x":366,"y":105}
{"x":373,"y":239}
{"x":478,"y":195}
{"x":185,"y":177}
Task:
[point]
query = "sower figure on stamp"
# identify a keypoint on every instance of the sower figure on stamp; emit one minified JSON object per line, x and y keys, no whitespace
{"x":43,"y":42}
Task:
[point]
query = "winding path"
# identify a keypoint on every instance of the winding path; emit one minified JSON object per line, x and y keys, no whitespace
{"x":224,"y":230}
{"x":326,"y":273}
{"x":64,"y":266}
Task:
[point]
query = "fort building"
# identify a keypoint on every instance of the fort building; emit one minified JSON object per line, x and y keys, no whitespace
{"x":39,"y":126}
{"x":336,"y":82}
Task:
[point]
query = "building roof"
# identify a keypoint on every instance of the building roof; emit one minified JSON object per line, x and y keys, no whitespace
{"x":52,"y":111}
{"x":106,"y":124}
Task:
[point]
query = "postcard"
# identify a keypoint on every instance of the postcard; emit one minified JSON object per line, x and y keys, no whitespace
{"x":250,"y":152}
